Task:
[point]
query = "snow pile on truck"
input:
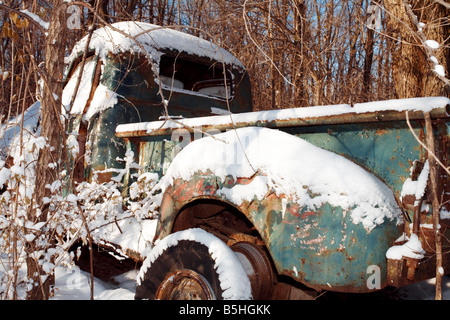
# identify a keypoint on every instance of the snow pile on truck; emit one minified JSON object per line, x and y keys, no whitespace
{"x":286,"y":165}
{"x":134,"y":36}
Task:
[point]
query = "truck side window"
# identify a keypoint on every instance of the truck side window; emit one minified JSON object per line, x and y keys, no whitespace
{"x":179,"y":73}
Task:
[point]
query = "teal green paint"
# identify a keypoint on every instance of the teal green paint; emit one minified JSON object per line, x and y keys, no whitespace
{"x":321,"y":247}
{"x":386,"y":149}
{"x":106,"y":147}
{"x":326,"y":248}
{"x":157,"y":155}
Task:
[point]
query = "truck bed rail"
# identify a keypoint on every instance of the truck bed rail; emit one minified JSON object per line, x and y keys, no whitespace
{"x":390,"y":110}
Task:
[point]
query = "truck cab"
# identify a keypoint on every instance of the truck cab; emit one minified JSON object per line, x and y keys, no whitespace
{"x":138,"y":72}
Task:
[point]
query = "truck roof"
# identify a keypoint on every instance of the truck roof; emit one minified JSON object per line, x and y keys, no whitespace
{"x":122,"y":37}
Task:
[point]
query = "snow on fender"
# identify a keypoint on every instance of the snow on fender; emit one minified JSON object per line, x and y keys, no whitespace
{"x":288,"y":165}
{"x":161,"y":264}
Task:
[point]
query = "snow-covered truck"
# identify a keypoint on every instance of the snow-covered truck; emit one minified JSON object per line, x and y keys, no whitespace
{"x":277,"y":204}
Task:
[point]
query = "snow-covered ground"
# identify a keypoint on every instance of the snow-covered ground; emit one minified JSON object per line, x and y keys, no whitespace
{"x":74,"y":284}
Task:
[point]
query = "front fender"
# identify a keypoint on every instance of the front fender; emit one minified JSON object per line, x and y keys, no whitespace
{"x":323,"y":248}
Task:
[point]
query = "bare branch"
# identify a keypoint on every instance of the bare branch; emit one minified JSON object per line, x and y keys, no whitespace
{"x":24,"y":14}
{"x":442,"y":2}
{"x":431,"y":152}
{"x":426,"y":48}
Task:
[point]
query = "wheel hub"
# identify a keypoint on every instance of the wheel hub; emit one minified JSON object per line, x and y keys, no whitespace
{"x":258,"y":268}
{"x":185,"y":285}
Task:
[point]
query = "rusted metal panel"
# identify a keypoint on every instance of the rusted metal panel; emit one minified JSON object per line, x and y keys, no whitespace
{"x":388,"y":156}
{"x":386,"y":149}
{"x":407,"y":271}
{"x":156,"y":155}
{"x":322,"y":248}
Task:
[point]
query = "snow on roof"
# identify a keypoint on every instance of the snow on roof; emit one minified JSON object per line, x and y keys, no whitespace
{"x":414,"y":104}
{"x":152,"y":38}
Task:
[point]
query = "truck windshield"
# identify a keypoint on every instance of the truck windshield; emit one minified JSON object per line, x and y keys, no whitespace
{"x":181,"y":74}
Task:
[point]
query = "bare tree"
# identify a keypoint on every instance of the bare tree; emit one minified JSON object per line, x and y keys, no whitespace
{"x":412,"y":71}
{"x":48,"y":161}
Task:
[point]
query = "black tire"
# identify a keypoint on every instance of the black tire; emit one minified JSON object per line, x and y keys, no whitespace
{"x":192,"y":264}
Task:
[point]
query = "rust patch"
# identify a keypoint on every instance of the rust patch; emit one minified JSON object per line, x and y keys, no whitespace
{"x":307,"y":214}
{"x":382,"y":132}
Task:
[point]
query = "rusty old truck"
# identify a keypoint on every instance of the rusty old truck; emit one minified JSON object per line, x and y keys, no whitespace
{"x":276,"y":204}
